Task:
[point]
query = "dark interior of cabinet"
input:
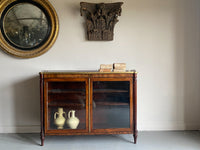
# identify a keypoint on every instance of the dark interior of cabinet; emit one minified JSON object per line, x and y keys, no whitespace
{"x":69,"y":96}
{"x":111,"y":104}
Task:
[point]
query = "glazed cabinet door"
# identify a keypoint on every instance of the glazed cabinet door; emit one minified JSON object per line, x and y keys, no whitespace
{"x":66,"y":105}
{"x":111,"y":105}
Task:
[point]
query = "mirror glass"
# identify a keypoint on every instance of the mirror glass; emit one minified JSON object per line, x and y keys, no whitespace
{"x":25,"y":26}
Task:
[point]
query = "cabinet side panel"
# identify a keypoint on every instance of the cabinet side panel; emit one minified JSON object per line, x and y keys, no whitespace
{"x":41,"y":109}
{"x":87,"y":106}
{"x":90,"y":107}
{"x":45,"y":84}
{"x":135,"y":132}
{"x":131,"y":103}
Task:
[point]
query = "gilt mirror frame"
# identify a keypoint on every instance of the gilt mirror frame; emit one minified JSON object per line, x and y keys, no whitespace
{"x":36,"y":42}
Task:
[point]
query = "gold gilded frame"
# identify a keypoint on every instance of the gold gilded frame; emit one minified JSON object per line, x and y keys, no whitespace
{"x":4,"y":45}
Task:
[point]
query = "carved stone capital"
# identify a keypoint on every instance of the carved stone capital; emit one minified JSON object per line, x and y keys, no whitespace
{"x":101,"y":19}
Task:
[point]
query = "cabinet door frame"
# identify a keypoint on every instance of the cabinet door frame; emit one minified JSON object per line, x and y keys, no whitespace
{"x":111,"y":130}
{"x":65,"y":131}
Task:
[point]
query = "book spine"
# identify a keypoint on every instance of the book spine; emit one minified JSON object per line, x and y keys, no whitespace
{"x":119,"y":70}
{"x":106,"y":66}
{"x":119,"y":66}
{"x":105,"y":70}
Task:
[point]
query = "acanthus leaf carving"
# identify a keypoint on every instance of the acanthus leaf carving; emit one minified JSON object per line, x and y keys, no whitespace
{"x":101,"y":19}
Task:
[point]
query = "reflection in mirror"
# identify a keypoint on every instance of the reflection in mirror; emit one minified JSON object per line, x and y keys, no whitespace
{"x":25,"y":26}
{"x":28,"y":28}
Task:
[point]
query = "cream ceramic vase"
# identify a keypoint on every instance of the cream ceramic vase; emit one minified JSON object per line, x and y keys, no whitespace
{"x":72,"y":120}
{"x":59,"y":119}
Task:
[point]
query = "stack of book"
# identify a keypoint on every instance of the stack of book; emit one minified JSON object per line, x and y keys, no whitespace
{"x":106,"y":68}
{"x":119,"y":67}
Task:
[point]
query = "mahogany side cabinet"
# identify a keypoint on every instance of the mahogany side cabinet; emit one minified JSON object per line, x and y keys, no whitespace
{"x":103,"y":102}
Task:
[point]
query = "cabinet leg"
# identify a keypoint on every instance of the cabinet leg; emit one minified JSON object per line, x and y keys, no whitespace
{"x":135,"y":137}
{"x":42,"y":138}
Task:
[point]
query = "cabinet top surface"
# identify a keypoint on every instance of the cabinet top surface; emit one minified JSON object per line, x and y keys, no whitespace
{"x":83,"y":72}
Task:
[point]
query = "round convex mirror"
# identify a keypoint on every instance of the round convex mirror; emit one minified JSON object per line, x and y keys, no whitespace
{"x":28,"y":27}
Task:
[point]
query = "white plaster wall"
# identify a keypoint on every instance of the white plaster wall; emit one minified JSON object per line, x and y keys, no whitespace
{"x":158,"y":38}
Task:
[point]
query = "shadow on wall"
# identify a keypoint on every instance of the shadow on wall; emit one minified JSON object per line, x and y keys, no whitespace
{"x":73,"y":10}
{"x":188,"y":62}
{"x":27,"y":105}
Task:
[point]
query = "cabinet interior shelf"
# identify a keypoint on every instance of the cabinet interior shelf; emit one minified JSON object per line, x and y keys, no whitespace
{"x":111,"y":103}
{"x":66,"y":105}
{"x":109,"y":91}
{"x":83,"y":105}
{"x":57,"y":91}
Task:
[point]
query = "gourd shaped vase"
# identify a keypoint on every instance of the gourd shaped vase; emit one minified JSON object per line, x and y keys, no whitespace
{"x":59,"y":119}
{"x":72,"y":120}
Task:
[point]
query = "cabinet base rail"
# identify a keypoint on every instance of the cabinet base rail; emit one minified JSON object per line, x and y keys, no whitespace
{"x":43,"y":136}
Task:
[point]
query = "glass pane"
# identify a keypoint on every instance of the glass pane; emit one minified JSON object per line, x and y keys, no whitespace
{"x":66,"y":105}
{"x":111,"y":104}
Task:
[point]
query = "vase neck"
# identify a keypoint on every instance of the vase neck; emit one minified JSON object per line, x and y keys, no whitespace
{"x":73,"y":114}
